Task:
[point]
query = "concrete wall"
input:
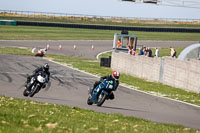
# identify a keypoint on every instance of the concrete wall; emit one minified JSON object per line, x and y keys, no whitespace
{"x":173,"y":72}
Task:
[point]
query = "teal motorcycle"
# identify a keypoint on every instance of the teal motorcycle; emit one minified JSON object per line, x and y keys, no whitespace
{"x":100,"y":93}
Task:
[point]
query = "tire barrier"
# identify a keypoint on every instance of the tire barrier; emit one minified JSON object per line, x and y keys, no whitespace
{"x":106,"y":62}
{"x":104,"y":27}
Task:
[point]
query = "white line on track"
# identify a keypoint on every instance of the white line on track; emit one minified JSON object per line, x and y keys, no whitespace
{"x":97,"y":57}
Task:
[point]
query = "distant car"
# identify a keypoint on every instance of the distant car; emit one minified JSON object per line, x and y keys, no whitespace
{"x":150,"y":1}
{"x":130,"y":0}
{"x":144,"y":1}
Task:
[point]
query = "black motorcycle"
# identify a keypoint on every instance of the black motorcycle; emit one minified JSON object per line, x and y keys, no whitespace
{"x":37,"y":82}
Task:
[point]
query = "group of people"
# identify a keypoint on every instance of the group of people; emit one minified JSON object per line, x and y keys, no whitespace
{"x":147,"y":52}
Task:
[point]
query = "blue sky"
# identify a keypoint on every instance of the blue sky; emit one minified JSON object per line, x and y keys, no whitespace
{"x":101,"y":8}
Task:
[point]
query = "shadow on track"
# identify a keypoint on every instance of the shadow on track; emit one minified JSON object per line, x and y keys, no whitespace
{"x":118,"y":108}
{"x":48,"y":98}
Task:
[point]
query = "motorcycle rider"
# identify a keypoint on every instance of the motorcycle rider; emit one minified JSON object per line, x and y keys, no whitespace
{"x":114,"y":77}
{"x":44,"y":68}
{"x":41,"y":52}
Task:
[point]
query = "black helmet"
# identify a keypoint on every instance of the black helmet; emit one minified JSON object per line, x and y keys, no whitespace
{"x":46,"y":67}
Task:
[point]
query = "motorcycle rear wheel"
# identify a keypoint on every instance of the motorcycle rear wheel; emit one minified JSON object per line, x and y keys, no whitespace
{"x":89,"y":102}
{"x":25,"y":93}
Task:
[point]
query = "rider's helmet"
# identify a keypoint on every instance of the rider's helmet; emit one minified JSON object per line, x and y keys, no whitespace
{"x":46,"y":67}
{"x":115,"y":75}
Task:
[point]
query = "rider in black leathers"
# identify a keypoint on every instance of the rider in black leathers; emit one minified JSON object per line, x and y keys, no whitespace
{"x":114,"y":77}
{"x":44,"y":68}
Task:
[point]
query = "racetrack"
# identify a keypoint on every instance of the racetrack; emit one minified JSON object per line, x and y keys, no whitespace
{"x":69,"y":87}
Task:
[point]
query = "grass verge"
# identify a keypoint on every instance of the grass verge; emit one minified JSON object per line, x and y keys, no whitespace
{"x":100,"y":21}
{"x":32,"y":116}
{"x":54,"y":33}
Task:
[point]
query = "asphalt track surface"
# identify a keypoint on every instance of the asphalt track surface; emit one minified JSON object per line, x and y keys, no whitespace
{"x":69,"y":87}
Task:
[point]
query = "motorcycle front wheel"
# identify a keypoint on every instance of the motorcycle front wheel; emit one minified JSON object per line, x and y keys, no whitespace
{"x":35,"y":88}
{"x":101,"y":99}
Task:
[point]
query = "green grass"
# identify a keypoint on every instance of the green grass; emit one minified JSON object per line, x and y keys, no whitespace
{"x":105,"y":55}
{"x":16,"y":51}
{"x":93,"y":66}
{"x":102,"y":21}
{"x":54,"y":33}
{"x":18,"y":116}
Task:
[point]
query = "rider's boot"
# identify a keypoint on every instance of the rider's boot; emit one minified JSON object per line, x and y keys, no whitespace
{"x":44,"y":85}
{"x":111,"y":96}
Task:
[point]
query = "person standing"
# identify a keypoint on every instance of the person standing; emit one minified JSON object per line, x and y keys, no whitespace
{"x":157,"y":52}
{"x":172,"y":52}
{"x":149,"y":52}
{"x":119,"y":43}
{"x":141,"y":51}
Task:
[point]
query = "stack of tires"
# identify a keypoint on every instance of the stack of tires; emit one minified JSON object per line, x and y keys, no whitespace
{"x":105,"y":62}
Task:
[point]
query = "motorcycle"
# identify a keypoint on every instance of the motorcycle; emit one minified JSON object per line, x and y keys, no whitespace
{"x":100,"y":93}
{"x":37,"y":82}
{"x":41,"y":52}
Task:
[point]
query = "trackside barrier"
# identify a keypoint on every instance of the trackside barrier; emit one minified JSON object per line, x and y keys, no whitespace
{"x":178,"y":73}
{"x":104,"y":27}
{"x":8,"y":22}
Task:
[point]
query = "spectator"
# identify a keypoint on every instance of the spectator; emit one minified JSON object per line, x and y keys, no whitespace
{"x":145,"y":51}
{"x":157,"y":52}
{"x":172,"y":52}
{"x":134,"y":52}
{"x":119,"y":43}
{"x":141,"y":51}
{"x":129,"y":50}
{"x":149,"y":52}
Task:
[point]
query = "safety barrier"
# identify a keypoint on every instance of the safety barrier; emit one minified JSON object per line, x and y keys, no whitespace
{"x":106,"y":62}
{"x":7,"y":22}
{"x":177,"y":73}
{"x":104,"y":27}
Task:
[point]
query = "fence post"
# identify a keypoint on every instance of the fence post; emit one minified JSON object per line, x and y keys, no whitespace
{"x":162,"y":61}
